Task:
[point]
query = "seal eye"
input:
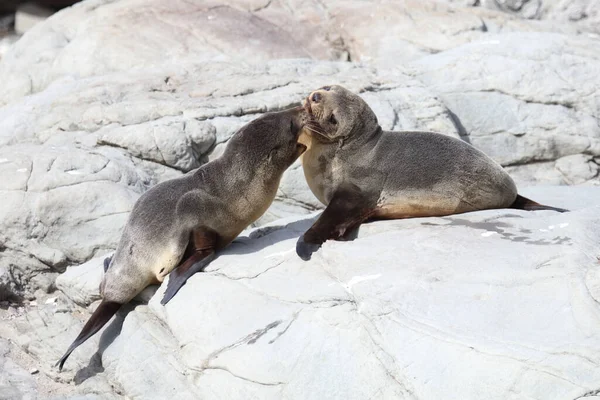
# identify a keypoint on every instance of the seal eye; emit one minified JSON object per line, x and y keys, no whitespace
{"x":327,"y":88}
{"x":332,"y":120}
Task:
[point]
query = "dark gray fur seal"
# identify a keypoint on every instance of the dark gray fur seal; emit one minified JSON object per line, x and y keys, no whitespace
{"x":361,"y":172}
{"x":178,"y":226}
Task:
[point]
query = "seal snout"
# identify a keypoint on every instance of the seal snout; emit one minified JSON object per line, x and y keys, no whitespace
{"x":313,"y":98}
{"x":307,"y":106}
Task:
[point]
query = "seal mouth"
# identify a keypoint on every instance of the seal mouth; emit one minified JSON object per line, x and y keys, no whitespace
{"x":312,"y":125}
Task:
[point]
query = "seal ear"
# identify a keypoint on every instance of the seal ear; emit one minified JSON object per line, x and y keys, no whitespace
{"x":273,"y":153}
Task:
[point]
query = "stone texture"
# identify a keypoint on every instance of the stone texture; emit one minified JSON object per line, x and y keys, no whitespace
{"x":66,"y":148}
{"x":583,"y":15}
{"x":505,"y":299}
{"x":527,"y":110}
{"x":93,"y":113}
{"x":33,"y":336}
{"x":15,"y":382}
{"x":29,"y":15}
{"x":92,"y":37}
{"x":81,"y":283}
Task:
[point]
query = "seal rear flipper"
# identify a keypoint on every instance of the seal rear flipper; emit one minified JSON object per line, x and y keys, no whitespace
{"x":523,"y":203}
{"x":179,"y":276}
{"x":99,"y":318}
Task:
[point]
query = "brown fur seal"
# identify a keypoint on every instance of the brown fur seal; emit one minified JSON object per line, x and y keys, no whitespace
{"x":359,"y":171}
{"x":185,"y":221}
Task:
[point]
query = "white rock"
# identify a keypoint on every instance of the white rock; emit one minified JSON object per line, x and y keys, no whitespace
{"x":495,"y":304}
{"x":578,"y":168}
{"x":6,"y":43}
{"x":525,"y":112}
{"x":15,"y":382}
{"x":29,"y":15}
{"x":81,"y":283}
{"x":357,"y":320}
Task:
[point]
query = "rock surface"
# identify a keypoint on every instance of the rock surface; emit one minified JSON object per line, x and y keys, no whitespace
{"x":502,"y":299}
{"x":107,"y":98}
{"x":584,"y":14}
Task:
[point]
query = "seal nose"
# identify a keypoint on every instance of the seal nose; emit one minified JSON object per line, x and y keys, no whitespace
{"x":316,"y":97}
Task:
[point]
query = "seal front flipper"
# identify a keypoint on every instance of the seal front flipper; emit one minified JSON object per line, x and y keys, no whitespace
{"x":99,"y":318}
{"x":305,"y":250}
{"x":203,"y":241}
{"x":179,"y":276}
{"x":348,"y":208}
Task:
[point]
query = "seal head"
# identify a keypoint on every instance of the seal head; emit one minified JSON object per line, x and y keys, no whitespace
{"x":338,"y":114}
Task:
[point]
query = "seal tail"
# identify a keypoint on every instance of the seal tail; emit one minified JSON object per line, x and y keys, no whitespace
{"x":99,"y":318}
{"x":523,"y":203}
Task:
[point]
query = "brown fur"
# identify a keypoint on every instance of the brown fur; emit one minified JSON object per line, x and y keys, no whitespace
{"x":398,"y":174}
{"x":185,"y":221}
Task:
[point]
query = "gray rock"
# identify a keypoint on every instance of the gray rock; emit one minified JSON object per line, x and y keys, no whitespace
{"x":44,"y":224}
{"x":29,"y":15}
{"x":527,"y":110}
{"x":170,"y":31}
{"x":81,"y":283}
{"x":578,"y":168}
{"x":6,"y":285}
{"x":15,"y":381}
{"x":79,"y":154}
{"x":583,"y":15}
{"x":93,"y":113}
{"x":67,"y":44}
{"x":501,"y":290}
{"x":531,"y":9}
{"x":175,"y":142}
{"x":33,"y":339}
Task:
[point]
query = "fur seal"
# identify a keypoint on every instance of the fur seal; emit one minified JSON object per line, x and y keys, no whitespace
{"x":179,"y":225}
{"x":360,"y":172}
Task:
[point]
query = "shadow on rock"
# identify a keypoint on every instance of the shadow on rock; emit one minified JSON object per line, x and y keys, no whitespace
{"x":109,"y":335}
{"x":269,"y":235}
{"x":503,"y":230}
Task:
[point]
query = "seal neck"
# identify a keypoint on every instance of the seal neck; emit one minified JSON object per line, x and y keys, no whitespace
{"x":362,"y":139}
